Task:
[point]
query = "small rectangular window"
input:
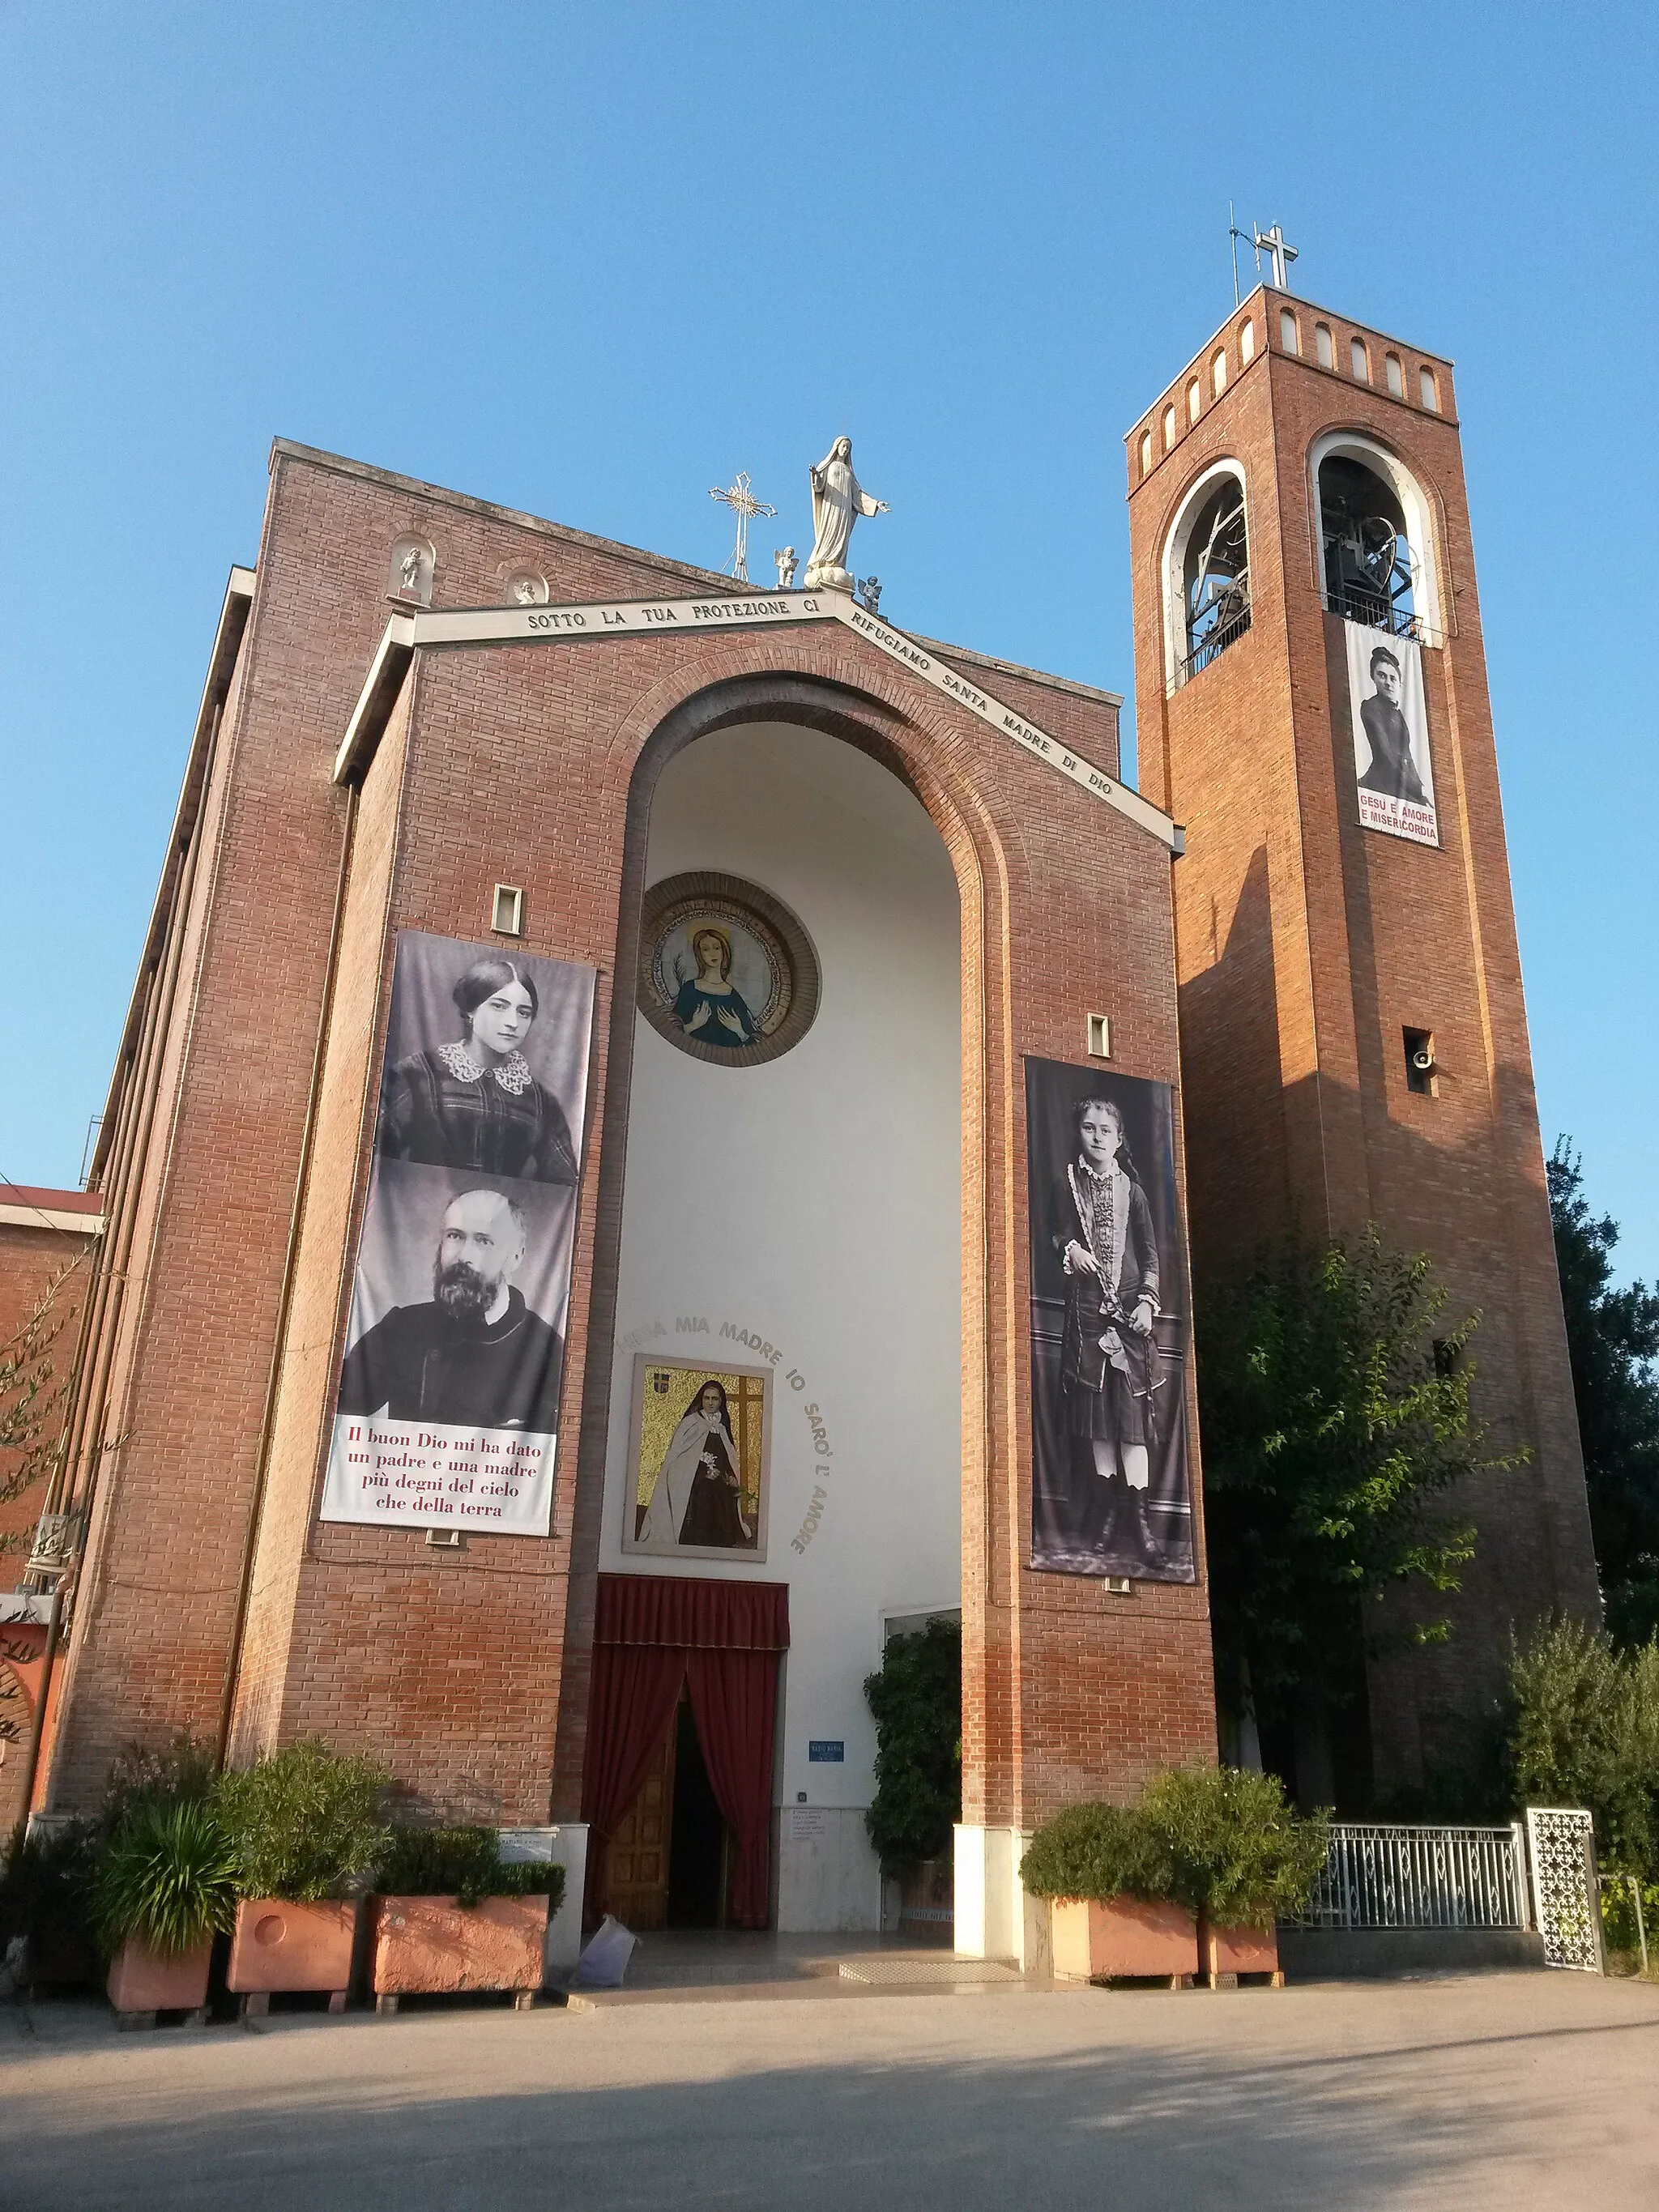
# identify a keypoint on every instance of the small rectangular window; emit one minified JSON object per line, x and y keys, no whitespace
{"x":1322,"y":345}
{"x":1420,"y":1063}
{"x":1246,"y":342}
{"x":508,"y":911}
{"x":1447,"y":1357}
{"x":1100,"y":1036}
{"x":1362,"y":367}
{"x":1287,"y":331}
{"x":1146,"y":451}
{"x":1169,"y":428}
{"x":1194,"y":399}
{"x":1426,"y":385}
{"x":1219,"y":373}
{"x":1395,"y":375}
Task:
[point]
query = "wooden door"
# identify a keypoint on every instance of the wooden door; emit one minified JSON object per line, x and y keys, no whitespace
{"x":636,"y":1872}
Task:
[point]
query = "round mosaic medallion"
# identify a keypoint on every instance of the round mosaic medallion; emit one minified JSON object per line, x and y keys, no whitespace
{"x":726,"y":973}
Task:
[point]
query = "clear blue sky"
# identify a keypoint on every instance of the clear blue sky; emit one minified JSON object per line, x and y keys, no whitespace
{"x":590,"y":261}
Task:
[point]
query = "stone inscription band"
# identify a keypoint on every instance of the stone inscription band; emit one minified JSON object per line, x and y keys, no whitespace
{"x":626,"y":617}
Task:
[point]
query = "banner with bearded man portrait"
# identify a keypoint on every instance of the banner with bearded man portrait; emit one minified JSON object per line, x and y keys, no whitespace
{"x":448,"y":1407}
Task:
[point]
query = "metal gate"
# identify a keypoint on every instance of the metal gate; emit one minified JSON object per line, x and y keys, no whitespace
{"x":1562,"y":1847}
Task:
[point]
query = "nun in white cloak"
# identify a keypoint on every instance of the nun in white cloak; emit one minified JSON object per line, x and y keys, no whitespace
{"x":697,"y":1500}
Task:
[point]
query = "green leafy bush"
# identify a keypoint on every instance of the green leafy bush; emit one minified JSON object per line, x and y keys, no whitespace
{"x":167,"y":1878}
{"x":1619,"y":1918}
{"x":1098,"y":1851}
{"x":916,"y":1700}
{"x":1214,"y":1839}
{"x":179,"y":1771}
{"x":465,"y":1863}
{"x":1238,"y":1851}
{"x":1334,"y":1395}
{"x":45,"y":1884}
{"x":305,"y":1823}
{"x":1586,"y":1732}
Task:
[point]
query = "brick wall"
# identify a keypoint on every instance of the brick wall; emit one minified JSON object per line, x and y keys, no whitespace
{"x":534,"y":764}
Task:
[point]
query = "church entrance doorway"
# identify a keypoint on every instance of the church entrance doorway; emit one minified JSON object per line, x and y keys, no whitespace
{"x":700,"y":1842}
{"x":671,"y":1858}
{"x":678,"y":1784}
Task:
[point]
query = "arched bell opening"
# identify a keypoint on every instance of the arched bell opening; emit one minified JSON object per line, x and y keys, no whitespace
{"x":1376,"y":544}
{"x":1206,"y":578}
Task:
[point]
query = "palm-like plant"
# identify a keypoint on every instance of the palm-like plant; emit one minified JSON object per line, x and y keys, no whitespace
{"x":167,"y":1879}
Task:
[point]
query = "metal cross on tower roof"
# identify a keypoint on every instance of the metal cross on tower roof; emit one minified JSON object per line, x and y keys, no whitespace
{"x":1270,"y":242}
{"x":745,"y":505}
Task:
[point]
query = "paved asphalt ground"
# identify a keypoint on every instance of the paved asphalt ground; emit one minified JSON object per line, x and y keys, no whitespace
{"x":1514,"y":2091}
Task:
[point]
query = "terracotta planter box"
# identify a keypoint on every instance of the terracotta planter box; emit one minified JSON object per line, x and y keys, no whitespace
{"x":279,"y":1946}
{"x":1094,"y":1942}
{"x":142,"y":1982}
{"x":1230,"y":1952}
{"x":427,"y":1946}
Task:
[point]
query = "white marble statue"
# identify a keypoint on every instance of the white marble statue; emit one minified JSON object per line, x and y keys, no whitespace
{"x":786,"y":558}
{"x":838,"y":500}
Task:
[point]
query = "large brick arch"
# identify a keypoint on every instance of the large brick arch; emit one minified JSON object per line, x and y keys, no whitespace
{"x":896,"y":737}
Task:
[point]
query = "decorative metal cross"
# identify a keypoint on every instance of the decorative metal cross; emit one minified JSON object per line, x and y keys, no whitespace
{"x":745,"y":505}
{"x":1272,"y":243}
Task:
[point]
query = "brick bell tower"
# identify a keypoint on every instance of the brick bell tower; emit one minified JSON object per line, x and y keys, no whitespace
{"x":1353,"y":1036}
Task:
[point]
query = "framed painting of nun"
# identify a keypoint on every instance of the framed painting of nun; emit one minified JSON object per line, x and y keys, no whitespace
{"x":700,"y":1457}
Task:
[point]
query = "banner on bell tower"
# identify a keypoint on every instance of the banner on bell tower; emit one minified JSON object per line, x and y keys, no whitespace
{"x":1391,"y":763}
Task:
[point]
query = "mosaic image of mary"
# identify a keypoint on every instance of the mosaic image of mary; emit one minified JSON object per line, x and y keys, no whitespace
{"x":709,"y":1005}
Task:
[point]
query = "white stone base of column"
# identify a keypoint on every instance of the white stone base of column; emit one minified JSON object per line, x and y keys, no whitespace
{"x":567,"y":1846}
{"x":994,"y":1918}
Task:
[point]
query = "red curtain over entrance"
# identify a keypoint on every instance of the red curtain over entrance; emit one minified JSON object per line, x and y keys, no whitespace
{"x":635,"y":1690}
{"x":734,"y":1702}
{"x":650,"y":1632}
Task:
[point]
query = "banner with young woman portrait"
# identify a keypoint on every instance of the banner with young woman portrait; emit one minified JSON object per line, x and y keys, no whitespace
{"x":448,"y":1408}
{"x":1390,"y":723}
{"x":1111,"y":1328}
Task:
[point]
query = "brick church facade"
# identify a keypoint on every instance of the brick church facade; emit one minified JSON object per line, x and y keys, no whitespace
{"x":416,"y":699}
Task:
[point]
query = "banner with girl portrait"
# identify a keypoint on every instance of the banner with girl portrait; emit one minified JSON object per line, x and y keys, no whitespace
{"x":1111,"y":1328}
{"x":1389,"y":720}
{"x":448,"y":1408}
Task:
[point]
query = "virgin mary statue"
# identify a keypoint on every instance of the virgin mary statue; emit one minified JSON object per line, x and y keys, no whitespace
{"x":838,"y":500}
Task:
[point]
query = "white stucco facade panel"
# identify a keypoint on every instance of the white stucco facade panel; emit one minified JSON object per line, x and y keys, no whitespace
{"x":829,"y":1879}
{"x":814,"y":1202}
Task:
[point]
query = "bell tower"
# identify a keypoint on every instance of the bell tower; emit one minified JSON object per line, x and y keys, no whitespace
{"x":1312,"y":705}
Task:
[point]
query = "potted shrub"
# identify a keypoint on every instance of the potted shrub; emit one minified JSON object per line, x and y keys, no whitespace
{"x":164,"y":1886}
{"x":307,"y":1835}
{"x":1240,"y":1858}
{"x":45,"y":1887}
{"x":915,"y":1699}
{"x":1110,"y":1882}
{"x":450,"y":1916}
